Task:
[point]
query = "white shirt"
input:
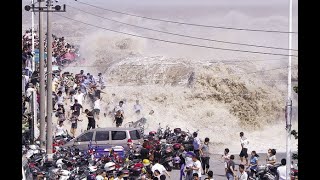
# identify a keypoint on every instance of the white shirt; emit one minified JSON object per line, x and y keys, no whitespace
{"x":158,"y":167}
{"x":198,"y":165}
{"x":79,"y":97}
{"x":60,"y":99}
{"x":97,"y":104}
{"x":189,"y":162}
{"x":72,"y":98}
{"x":118,"y":179}
{"x":243,"y":176}
{"x":137,"y":107}
{"x":244,"y":142}
{"x":282,"y":172}
{"x":28,"y":64}
{"x":29,"y":91}
{"x":117,"y":108}
{"x":59,"y":130}
{"x":26,"y":78}
{"x":99,"y":177}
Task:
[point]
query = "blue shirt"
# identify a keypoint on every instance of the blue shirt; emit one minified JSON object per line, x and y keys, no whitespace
{"x":196,"y":143}
{"x":253,"y":160}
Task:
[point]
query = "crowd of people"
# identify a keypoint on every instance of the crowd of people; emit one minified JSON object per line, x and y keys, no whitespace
{"x":71,"y":92}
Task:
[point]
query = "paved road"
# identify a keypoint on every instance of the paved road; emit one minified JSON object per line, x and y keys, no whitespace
{"x":217,"y":166}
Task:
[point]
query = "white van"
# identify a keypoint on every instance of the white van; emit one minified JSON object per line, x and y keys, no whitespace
{"x":111,"y":136}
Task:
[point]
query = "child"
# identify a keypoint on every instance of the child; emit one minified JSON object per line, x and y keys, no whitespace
{"x":226,"y":158}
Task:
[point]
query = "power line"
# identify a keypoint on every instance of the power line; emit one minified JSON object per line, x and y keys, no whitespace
{"x":173,"y":42}
{"x":176,"y":34}
{"x":190,"y":24}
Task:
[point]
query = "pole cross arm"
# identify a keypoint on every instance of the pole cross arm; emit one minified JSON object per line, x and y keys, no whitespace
{"x":56,"y":8}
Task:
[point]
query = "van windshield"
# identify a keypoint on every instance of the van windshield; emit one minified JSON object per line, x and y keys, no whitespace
{"x":135,"y":135}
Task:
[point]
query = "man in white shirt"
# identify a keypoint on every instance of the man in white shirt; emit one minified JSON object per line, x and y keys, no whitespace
{"x":59,"y":129}
{"x":30,"y":90}
{"x":243,"y":174}
{"x":196,"y":166}
{"x":79,"y":97}
{"x":96,"y":107}
{"x":282,"y":170}
{"x":119,"y":107}
{"x":160,"y":168}
{"x":137,"y":107}
{"x":244,"y":148}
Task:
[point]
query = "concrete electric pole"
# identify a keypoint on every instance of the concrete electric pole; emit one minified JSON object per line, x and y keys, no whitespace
{"x":32,"y":41}
{"x":289,"y":100}
{"x":47,"y":9}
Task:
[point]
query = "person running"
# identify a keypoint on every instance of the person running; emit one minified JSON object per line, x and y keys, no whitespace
{"x":91,"y":120}
{"x":119,"y":107}
{"x":96,"y":108}
{"x":253,"y":163}
{"x":76,"y":107}
{"x":226,"y":158}
{"x":205,"y":156}
{"x":118,"y":118}
{"x":80,"y":97}
{"x":60,"y":115}
{"x":137,"y":107}
{"x":196,"y":144}
{"x":101,"y":81}
{"x":231,"y":172}
{"x":282,"y":170}
{"x":60,"y":98}
{"x":243,"y":174}
{"x":74,"y":123}
{"x":244,"y":148}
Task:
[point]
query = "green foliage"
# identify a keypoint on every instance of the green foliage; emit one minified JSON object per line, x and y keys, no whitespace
{"x":295,"y":88}
{"x":295,"y":134}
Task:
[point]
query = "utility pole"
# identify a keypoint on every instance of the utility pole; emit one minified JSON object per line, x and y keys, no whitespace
{"x":49,"y":81}
{"x":42,"y":82}
{"x":32,"y":40}
{"x":42,"y":9}
{"x":289,"y":100}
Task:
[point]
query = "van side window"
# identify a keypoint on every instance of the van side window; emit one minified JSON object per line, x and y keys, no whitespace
{"x":118,"y":135}
{"x":102,"y":135}
{"x":134,"y":135}
{"x":86,"y":137}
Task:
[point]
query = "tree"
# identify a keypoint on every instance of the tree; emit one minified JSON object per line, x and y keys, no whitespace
{"x":295,"y":134}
